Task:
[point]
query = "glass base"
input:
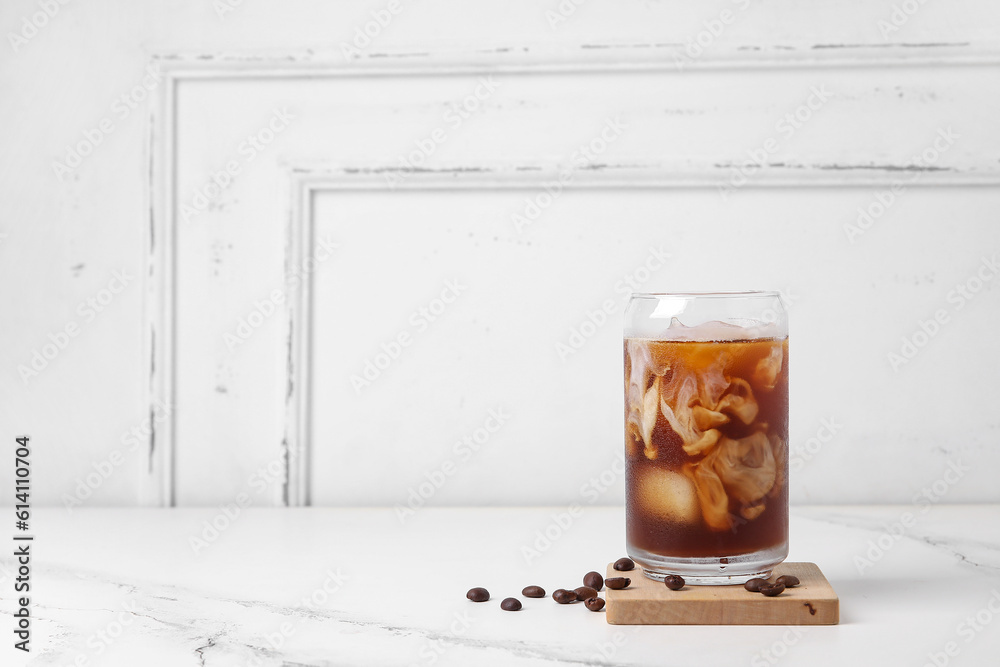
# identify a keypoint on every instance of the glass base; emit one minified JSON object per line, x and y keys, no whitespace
{"x":721,"y":571}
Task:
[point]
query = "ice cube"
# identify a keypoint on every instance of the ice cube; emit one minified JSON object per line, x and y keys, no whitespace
{"x":668,"y":495}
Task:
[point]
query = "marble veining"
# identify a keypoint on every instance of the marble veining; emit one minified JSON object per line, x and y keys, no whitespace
{"x":319,"y":587}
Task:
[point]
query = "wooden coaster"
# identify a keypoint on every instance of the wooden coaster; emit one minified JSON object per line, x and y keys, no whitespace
{"x":648,"y":602}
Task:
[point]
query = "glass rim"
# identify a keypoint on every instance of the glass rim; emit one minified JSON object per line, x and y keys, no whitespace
{"x":744,"y":293}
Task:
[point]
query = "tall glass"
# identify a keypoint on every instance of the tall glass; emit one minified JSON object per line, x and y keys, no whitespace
{"x":706,"y":434}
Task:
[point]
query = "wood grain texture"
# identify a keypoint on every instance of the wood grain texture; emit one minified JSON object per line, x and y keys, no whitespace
{"x":648,"y":602}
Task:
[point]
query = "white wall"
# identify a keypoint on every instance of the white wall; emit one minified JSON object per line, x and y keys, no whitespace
{"x":664,"y":182}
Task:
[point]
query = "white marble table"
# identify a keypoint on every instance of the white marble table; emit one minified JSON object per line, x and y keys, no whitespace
{"x":358,"y":587}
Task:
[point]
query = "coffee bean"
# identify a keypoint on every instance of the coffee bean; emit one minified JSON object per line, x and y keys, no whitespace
{"x":510,"y":604}
{"x":624,"y":564}
{"x":790,"y":581}
{"x":594,"y":580}
{"x":584,"y":592}
{"x":754,"y":585}
{"x":533,"y":592}
{"x":771,"y":590}
{"x":478,"y":594}
{"x":617,"y":583}
{"x":674,"y":582}
{"x":563,"y":596}
{"x":594,"y":604}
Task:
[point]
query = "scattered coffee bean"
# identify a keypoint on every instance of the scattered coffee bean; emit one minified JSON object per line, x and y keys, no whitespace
{"x":594,"y":604}
{"x":624,"y":564}
{"x":790,"y":581}
{"x":771,"y":590}
{"x":594,"y":580}
{"x":618,"y":583}
{"x":563,"y":596}
{"x":533,"y":592}
{"x":584,"y":592}
{"x":510,"y":604}
{"x":754,"y":585}
{"x":674,"y":582}
{"x":478,"y":594}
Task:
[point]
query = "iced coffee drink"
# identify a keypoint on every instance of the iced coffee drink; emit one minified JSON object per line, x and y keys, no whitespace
{"x":706,"y":435}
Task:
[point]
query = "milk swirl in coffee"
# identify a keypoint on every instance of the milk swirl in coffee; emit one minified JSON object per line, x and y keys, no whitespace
{"x":706,"y":441}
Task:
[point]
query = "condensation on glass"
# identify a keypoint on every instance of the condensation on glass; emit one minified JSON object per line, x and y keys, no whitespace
{"x":706,"y":434}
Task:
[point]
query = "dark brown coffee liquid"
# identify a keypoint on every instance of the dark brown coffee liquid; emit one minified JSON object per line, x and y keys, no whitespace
{"x":706,"y":443}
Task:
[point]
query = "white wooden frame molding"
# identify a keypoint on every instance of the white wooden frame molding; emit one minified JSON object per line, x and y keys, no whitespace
{"x":304,"y":180}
